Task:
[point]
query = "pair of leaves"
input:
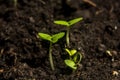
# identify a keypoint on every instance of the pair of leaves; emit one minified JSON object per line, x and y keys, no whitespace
{"x":54,"y":38}
{"x":68,"y":23}
{"x":71,"y":52}
{"x":71,"y":64}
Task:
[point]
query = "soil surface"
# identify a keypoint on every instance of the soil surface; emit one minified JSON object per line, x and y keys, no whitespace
{"x":24,"y":56}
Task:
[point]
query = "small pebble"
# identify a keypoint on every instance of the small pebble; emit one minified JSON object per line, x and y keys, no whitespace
{"x":1,"y":70}
{"x":116,"y":27}
{"x":114,"y":53}
{"x":114,"y":64}
{"x":115,"y":73}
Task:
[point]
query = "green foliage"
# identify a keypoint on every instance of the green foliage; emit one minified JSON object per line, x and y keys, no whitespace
{"x":74,"y":58}
{"x":72,"y":22}
{"x":45,"y":36}
{"x":71,"y":64}
{"x":68,"y":24}
{"x":62,"y":22}
{"x":71,"y":52}
{"x":52,"y":39}
{"x":56,"y":37}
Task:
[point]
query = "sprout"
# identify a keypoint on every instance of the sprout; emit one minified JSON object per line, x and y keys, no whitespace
{"x":68,"y":25}
{"x":74,"y":58}
{"x":52,"y":39}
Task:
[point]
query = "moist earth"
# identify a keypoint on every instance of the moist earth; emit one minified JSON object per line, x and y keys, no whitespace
{"x":24,"y":56}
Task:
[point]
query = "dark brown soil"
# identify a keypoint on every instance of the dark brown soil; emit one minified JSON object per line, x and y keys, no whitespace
{"x":24,"y":56}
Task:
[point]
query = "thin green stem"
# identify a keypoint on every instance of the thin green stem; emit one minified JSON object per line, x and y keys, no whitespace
{"x":50,"y":56}
{"x":67,"y":37}
{"x":15,"y":3}
{"x":80,"y":56}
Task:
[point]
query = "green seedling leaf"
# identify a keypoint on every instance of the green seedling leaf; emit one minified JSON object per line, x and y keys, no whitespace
{"x":68,"y":51}
{"x":71,"y":64}
{"x":71,"y":52}
{"x":56,"y":37}
{"x":45,"y":36}
{"x":71,"y":22}
{"x":61,"y":22}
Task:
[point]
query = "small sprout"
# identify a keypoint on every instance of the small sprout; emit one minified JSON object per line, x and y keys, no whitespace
{"x":52,"y":39}
{"x":74,"y":58}
{"x":68,"y":24}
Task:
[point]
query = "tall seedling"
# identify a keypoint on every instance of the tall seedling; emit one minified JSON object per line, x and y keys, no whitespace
{"x":68,"y":25}
{"x":52,"y":39}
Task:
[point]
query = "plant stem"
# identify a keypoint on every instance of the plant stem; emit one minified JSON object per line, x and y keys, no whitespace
{"x":67,"y":37}
{"x":15,"y":3}
{"x":80,"y":55}
{"x":50,"y":56}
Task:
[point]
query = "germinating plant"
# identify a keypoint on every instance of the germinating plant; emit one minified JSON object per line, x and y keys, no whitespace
{"x":68,"y":25}
{"x":74,"y":58}
{"x":52,"y":39}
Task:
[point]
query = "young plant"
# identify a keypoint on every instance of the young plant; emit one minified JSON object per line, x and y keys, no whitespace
{"x":68,"y":25}
{"x":74,"y":58}
{"x":52,"y":39}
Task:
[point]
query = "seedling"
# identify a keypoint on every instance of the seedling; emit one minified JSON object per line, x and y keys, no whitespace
{"x":74,"y":58}
{"x":68,"y":24}
{"x":52,"y":39}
